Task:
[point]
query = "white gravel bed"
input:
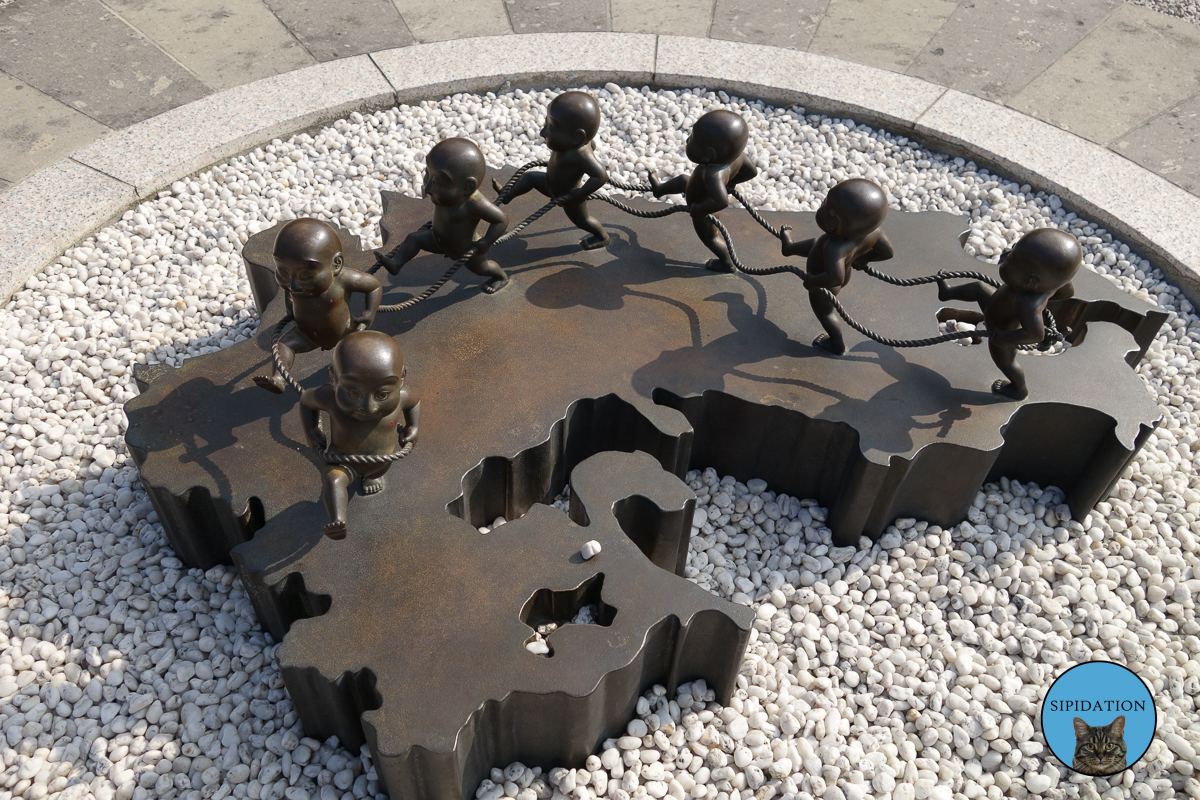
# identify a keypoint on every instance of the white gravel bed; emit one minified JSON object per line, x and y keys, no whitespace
{"x":879,"y":672}
{"x":1184,"y":9}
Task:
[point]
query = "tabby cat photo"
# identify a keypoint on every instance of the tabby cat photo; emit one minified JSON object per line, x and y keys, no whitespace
{"x":1099,"y":749}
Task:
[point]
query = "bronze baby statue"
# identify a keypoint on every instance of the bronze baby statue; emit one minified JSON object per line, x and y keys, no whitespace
{"x":454,"y":171}
{"x":571,"y":123}
{"x":308,"y":267}
{"x":850,"y":218}
{"x":1036,"y":269}
{"x":370,"y":413}
{"x":716,"y":144}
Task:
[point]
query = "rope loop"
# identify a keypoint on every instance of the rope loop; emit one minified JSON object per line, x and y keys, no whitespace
{"x":364,"y":459}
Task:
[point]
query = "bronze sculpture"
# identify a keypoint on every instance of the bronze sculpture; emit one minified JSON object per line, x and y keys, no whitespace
{"x":371,"y":413}
{"x":717,"y":145}
{"x":850,"y":218}
{"x":308,"y":267}
{"x":454,"y":171}
{"x":572,"y":120}
{"x":1035,"y":270}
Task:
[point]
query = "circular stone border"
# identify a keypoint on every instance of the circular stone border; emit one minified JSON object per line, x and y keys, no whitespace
{"x":60,"y":205}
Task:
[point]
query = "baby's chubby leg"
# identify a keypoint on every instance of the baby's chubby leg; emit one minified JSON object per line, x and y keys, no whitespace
{"x":530,"y":180}
{"x":831,"y":341}
{"x":578,"y":214}
{"x":335,"y":494}
{"x":1005,"y":357}
{"x":484,"y":267}
{"x":675,"y":185}
{"x":707,"y":230}
{"x":292,"y":342}
{"x":414,"y":243}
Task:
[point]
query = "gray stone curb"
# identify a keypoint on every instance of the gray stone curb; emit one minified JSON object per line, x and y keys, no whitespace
{"x":61,"y":204}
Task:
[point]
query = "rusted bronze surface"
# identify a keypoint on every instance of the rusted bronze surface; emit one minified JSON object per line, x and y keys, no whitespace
{"x":416,"y":622}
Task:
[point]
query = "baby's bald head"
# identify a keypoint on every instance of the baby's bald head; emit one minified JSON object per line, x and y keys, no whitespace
{"x":368,"y":356}
{"x":308,"y":239}
{"x":460,"y":158}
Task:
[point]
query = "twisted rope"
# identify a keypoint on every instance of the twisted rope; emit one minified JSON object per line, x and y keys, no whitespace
{"x":372,"y":460}
{"x":666,"y":212}
{"x":1053,"y":335}
{"x":864,"y":330}
{"x":771,"y":229}
{"x":283,"y":371}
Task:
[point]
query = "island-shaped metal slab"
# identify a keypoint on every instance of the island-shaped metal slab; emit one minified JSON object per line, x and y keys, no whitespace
{"x":632,"y":363}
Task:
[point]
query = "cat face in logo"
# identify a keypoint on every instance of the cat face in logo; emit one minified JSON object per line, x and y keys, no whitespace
{"x":1099,"y":749}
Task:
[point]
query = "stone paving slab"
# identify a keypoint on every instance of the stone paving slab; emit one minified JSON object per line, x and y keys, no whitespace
{"x":441,"y":20}
{"x":545,"y":16}
{"x":880,"y":33}
{"x":1140,"y":207}
{"x":36,"y":128}
{"x":1169,"y":144}
{"x":50,"y":211}
{"x":170,"y":146}
{"x":782,"y":24}
{"x":993,"y":49}
{"x":678,"y":17}
{"x":331,"y":29}
{"x":488,"y":63}
{"x":787,"y":77}
{"x":225,"y":43}
{"x":83,"y":55}
{"x":1135,"y":65}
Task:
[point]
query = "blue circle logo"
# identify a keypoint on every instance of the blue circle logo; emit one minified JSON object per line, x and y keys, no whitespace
{"x":1098,"y":718}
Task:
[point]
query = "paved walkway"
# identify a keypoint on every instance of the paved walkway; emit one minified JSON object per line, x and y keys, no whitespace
{"x":1118,"y":74}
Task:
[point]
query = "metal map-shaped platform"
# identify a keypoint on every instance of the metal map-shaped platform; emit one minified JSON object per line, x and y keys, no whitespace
{"x":615,"y":369}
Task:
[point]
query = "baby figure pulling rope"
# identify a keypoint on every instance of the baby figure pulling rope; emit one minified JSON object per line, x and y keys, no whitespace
{"x":372,"y":420}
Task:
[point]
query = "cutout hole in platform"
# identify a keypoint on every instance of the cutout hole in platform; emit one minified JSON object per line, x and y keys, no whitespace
{"x":548,"y":610}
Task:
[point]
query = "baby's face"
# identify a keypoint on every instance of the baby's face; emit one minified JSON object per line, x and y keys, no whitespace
{"x":828,"y":219}
{"x":367,"y":394}
{"x":558,"y":136}
{"x":1018,"y":271}
{"x":445,"y":188}
{"x":304,"y":277}
{"x":699,"y":149}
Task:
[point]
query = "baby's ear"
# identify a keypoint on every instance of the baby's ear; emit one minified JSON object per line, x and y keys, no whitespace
{"x":1081,"y":728}
{"x":470,"y":184}
{"x":581,"y":136}
{"x":710,"y":156}
{"x":337,"y":264}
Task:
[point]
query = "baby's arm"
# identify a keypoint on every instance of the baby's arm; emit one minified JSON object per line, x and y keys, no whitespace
{"x":1029,"y":314}
{"x":747,"y":171}
{"x":591,"y":166}
{"x":412,"y":414}
{"x":794,"y":248}
{"x":312,"y":403}
{"x":835,"y":266}
{"x":369,"y":285}
{"x":882,"y":250}
{"x":714,"y":187}
{"x":489,"y":212}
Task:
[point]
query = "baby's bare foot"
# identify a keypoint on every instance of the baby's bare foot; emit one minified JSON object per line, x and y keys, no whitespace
{"x":593,"y":242}
{"x":336,"y":530}
{"x":1008,"y":389}
{"x":494,"y":285}
{"x":373,"y":485}
{"x":272,"y":383}
{"x":826,"y":343}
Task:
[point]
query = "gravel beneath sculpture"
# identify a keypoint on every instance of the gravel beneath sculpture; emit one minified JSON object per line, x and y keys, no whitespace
{"x":124,"y":675}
